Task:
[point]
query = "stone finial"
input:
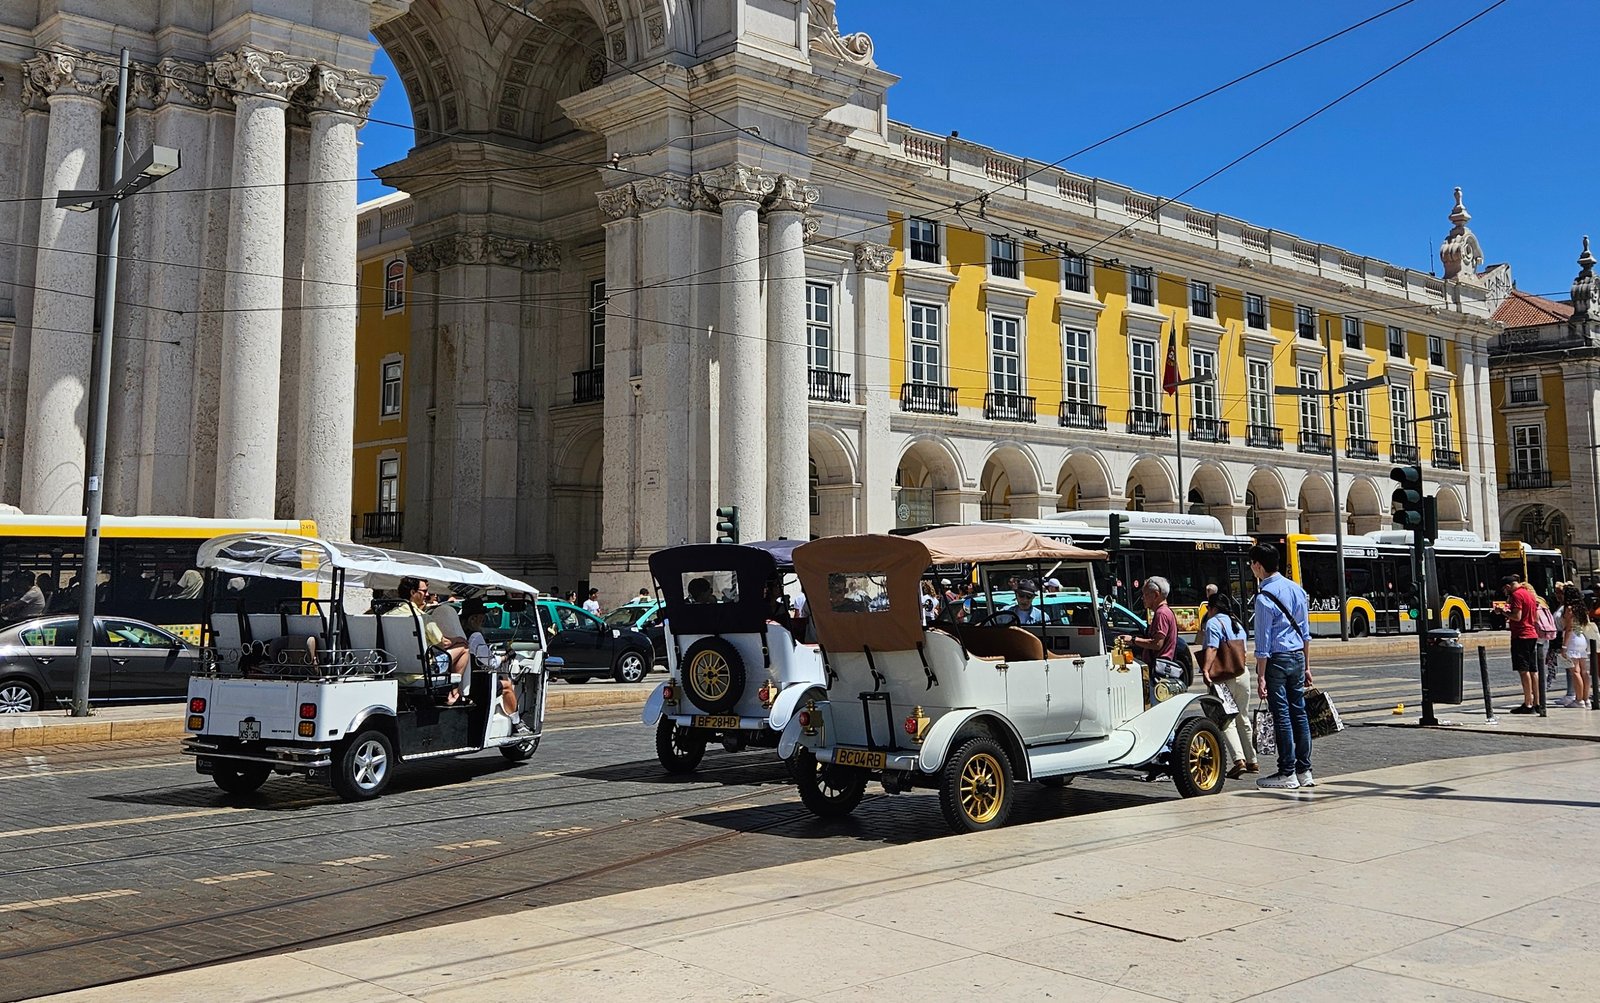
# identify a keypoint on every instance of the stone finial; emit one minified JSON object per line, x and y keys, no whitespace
{"x":826,"y":38}
{"x":1585,"y":288}
{"x":1460,"y":253}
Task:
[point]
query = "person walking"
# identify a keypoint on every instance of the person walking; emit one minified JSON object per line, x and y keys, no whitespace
{"x":1226,"y":668}
{"x":930,"y":603}
{"x":1283,"y":640}
{"x":1521,"y":617}
{"x":1574,"y":627}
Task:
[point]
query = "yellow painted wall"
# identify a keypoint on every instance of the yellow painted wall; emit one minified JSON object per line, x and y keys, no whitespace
{"x":377,"y":336}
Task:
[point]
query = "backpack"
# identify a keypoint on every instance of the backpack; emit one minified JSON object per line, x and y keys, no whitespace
{"x":1544,"y":623}
{"x":1229,"y":660}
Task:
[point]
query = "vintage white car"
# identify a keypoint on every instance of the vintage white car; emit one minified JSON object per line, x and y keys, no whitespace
{"x":737,"y":671}
{"x":973,"y":708}
{"x":344,"y":697}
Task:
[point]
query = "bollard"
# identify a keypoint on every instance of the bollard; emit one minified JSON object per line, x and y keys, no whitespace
{"x":1594,"y":679}
{"x":1544,"y":693}
{"x":1483,"y":674}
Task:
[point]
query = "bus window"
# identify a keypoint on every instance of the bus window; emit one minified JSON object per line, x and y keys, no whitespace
{"x":1319,"y":579}
{"x":54,"y":563}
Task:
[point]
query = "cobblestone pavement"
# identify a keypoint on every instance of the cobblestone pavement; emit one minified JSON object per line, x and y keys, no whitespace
{"x":117,"y":860}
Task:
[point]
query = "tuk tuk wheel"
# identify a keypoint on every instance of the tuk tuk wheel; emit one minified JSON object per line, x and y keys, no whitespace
{"x":829,"y":791}
{"x":713,"y":675}
{"x":364,"y":766}
{"x":975,"y":789}
{"x":521,"y":752}
{"x":1197,"y":759}
{"x":678,"y":749}
{"x":240,"y":778}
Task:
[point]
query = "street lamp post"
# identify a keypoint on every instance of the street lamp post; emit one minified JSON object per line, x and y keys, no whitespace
{"x":154,"y":164}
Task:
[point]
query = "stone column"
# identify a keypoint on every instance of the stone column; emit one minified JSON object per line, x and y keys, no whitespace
{"x":64,"y":280}
{"x":35,"y":131}
{"x":1485,"y":469}
{"x":741,"y":347}
{"x":788,"y":448}
{"x":619,"y":502}
{"x":252,"y":328}
{"x":326,"y":418}
{"x":297,"y":160}
{"x":878,"y":458}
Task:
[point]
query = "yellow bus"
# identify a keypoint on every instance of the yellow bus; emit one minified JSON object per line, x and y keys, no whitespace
{"x":147,"y":565}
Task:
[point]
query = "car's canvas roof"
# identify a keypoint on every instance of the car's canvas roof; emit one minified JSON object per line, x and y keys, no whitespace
{"x":308,"y":559}
{"x":987,"y":542}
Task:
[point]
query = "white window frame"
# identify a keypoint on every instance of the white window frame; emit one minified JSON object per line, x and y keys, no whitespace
{"x":1266,"y":320}
{"x":1087,"y":274}
{"x":394,"y":286}
{"x":1258,"y":374}
{"x":1401,"y":431}
{"x":1439,"y":401}
{"x":998,"y":243}
{"x":1014,"y":356}
{"x":938,"y":242}
{"x":1135,"y":271}
{"x":1390,"y":336}
{"x":384,"y":460}
{"x":1310,"y":406}
{"x":597,"y":323}
{"x":1208,"y":299}
{"x":1437,"y":341}
{"x":1203,"y":394}
{"x":1077,"y":364}
{"x":932,"y":374}
{"x":820,"y":333}
{"x":1527,"y":447}
{"x":1144,"y":386}
{"x":387,"y":410}
{"x":1357,"y":417}
{"x":1310,"y":313}
{"x":1533,"y":380}
{"x":1353,"y":326}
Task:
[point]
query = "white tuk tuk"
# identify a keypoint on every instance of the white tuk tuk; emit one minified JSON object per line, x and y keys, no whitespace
{"x":1026,"y":693}
{"x":317,"y":689}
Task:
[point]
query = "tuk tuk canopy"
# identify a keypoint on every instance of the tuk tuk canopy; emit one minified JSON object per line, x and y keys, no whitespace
{"x":715,"y":588}
{"x":308,"y":559}
{"x":977,"y":544}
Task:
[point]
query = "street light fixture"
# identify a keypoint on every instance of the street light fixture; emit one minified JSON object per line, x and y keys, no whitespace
{"x":153,"y":165}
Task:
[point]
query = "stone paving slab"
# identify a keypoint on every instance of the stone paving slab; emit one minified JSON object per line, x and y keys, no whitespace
{"x":1352,"y":890}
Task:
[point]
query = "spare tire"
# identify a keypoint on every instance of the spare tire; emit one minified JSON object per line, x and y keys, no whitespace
{"x":712,"y":674}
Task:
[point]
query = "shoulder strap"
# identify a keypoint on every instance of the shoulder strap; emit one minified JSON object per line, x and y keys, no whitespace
{"x":1288,"y":616}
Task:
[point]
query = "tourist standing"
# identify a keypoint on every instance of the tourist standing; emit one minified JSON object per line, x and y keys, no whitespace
{"x":1522,"y":618}
{"x":1283,"y":639}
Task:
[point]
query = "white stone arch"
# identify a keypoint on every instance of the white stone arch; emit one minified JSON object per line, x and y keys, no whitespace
{"x":1010,"y":482}
{"x":1084,"y":481}
{"x":928,"y":475}
{"x":833,"y":481}
{"x":1152,"y":482}
{"x":1452,"y":513}
{"x":1315,"y":501}
{"x":1363,"y":506}
{"x":1211,"y":489}
{"x":1266,"y":503}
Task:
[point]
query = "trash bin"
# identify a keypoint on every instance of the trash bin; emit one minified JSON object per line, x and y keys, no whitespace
{"x":1441,"y":667}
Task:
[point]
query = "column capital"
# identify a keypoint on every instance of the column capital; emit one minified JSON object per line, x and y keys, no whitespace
{"x":180,"y":82}
{"x":480,"y":247}
{"x":343,"y":91}
{"x":68,"y":71}
{"x":252,"y":72}
{"x":542,"y":256}
{"x":872,"y":257}
{"x":791,"y":194}
{"x":735,"y":183}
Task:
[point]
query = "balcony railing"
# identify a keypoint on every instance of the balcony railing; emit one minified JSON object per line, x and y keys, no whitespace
{"x":826,"y":385}
{"x":1446,"y":459}
{"x":927,"y":398}
{"x":1155,"y":424}
{"x":1001,"y":406}
{"x":1208,"y":430}
{"x":588,"y":386}
{"x":1524,"y":395}
{"x":1263,"y":436}
{"x":1081,"y":414}
{"x":377,"y":527}
{"x":1528,"y":479}
{"x":1320,"y":443}
{"x":1401,"y":452}
{"x":1361,"y":449}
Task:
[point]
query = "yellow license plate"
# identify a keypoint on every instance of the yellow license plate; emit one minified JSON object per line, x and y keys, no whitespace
{"x":716,"y":721}
{"x":858,"y":757}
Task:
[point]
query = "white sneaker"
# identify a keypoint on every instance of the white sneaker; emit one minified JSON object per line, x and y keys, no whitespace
{"x":1306,"y":779}
{"x":1279,"y":781}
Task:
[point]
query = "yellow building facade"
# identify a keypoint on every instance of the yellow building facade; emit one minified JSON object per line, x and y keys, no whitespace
{"x":383,"y":341}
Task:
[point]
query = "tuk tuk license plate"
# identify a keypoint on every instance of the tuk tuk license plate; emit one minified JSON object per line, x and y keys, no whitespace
{"x":250,"y":730}
{"x":716,"y":721}
{"x":858,"y":757}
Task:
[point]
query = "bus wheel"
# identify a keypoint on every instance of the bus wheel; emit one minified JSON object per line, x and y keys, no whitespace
{"x":1457,"y":624}
{"x":1358,"y":625}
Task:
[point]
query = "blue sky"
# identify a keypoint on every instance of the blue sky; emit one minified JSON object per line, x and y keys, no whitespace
{"x":1504,"y":109}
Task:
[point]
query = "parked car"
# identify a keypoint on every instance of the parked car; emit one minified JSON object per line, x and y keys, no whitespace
{"x":133,"y":660}
{"x":645,"y":616}
{"x":578,"y":645}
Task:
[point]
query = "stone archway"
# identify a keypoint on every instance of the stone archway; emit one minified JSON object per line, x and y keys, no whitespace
{"x":1010,"y":484}
{"x":575,"y":505}
{"x":1363,"y":510}
{"x":1211,"y":493}
{"x":926,"y":478}
{"x":1451,"y":515}
{"x":1267,"y":498}
{"x":1316,"y":505}
{"x":834,"y":485}
{"x":1083,"y":482}
{"x":1151,"y":487}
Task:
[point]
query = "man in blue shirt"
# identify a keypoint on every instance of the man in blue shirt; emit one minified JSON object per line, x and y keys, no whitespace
{"x":1283,"y":635}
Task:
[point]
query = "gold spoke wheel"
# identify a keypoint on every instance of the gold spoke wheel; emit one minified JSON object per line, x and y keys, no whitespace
{"x":1204,"y":760}
{"x":711,"y":675}
{"x":983,"y":788}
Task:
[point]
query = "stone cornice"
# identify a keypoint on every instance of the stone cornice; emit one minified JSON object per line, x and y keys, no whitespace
{"x":647,"y":194}
{"x":478,"y":247}
{"x":253,"y":72}
{"x":66,"y":71}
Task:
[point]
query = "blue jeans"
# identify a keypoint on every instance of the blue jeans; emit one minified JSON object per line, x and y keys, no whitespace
{"x":1286,"y":698}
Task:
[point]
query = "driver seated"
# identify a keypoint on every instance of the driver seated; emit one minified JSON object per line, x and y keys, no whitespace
{"x":1028,"y":615}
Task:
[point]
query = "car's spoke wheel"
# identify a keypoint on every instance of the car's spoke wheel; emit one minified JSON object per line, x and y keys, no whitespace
{"x":240,"y":778}
{"x":829,"y":791}
{"x":713,"y":675}
{"x":679,"y":750}
{"x":630,"y":667}
{"x":18,"y":697}
{"x":1197,"y":760}
{"x":364,"y":766}
{"x":975,"y":790}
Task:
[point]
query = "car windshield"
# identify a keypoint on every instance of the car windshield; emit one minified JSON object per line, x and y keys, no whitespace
{"x":625,"y":616}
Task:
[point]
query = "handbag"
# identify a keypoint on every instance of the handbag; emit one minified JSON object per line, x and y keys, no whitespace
{"x":1266,"y":736}
{"x":1323,"y":715}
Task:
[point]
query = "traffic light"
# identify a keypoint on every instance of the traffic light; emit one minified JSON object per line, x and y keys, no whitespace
{"x":1117,"y":523}
{"x":728,"y":524}
{"x":1407,"y":499}
{"x":1430,"y":519}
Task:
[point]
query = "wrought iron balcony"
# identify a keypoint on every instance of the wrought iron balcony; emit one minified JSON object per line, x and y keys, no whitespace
{"x":927,"y":398}
{"x":1208,"y":430}
{"x":1082,"y":414}
{"x":588,"y":386}
{"x":1155,"y":424}
{"x":1446,"y":459}
{"x":1401,"y":452}
{"x":1320,"y":443}
{"x":378,"y":527}
{"x":1528,"y":479}
{"x":1263,"y":436}
{"x":826,"y":385}
{"x":1361,"y":449}
{"x":1001,"y":406}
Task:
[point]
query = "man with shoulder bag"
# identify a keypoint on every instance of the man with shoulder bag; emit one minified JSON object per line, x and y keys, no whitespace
{"x":1283,"y":671}
{"x":1222,"y":652}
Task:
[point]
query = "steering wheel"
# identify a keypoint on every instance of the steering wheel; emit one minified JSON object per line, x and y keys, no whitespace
{"x":995,"y":619}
